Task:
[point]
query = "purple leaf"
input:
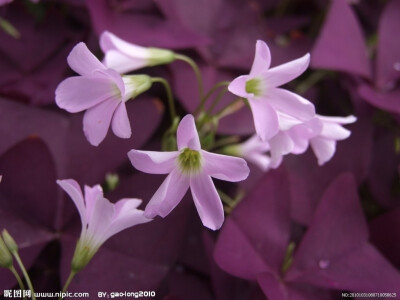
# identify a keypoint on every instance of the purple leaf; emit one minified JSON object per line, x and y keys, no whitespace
{"x":258,"y":225}
{"x":142,"y":29}
{"x":344,"y":37}
{"x":388,"y":54}
{"x":335,"y":253}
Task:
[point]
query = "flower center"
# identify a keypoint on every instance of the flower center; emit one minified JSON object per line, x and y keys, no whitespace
{"x":189,"y":161}
{"x":253,"y":86}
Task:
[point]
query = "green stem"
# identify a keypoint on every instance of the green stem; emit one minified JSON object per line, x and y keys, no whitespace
{"x":226,"y":141}
{"x":9,"y":28}
{"x":217,"y":99}
{"x":310,"y":81}
{"x":67,"y":283}
{"x":20,"y":283}
{"x":171,"y":102}
{"x":196,"y":70}
{"x":27,"y":279}
{"x":209,"y":93}
{"x":219,"y":113}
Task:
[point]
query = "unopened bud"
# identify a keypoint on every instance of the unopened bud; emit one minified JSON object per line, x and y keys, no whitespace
{"x":10,"y":242}
{"x":6,"y":260}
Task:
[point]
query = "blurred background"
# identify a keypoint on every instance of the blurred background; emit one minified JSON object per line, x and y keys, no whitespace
{"x":300,"y":232}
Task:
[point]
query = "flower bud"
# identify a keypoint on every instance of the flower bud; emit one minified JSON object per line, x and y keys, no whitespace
{"x":6,"y":260}
{"x":10,"y":242}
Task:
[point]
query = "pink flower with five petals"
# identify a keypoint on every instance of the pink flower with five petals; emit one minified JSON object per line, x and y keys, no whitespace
{"x":192,"y":167}
{"x":266,"y":99}
{"x":102,"y":92}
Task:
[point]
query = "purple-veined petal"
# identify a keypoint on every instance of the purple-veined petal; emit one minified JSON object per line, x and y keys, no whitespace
{"x":72,"y":188}
{"x":187,"y":135}
{"x":168,"y":195}
{"x":153,"y":162}
{"x":76,"y":94}
{"x":265,"y":118}
{"x":82,"y":61}
{"x":96,"y":121}
{"x":207,"y":201}
{"x":284,"y":73}
{"x":238,"y":86}
{"x":290,"y":104}
{"x":262,"y":59}
{"x":120,"y":122}
{"x":225,"y":167}
{"x":324,"y":149}
{"x":126,"y":215}
{"x":121,"y":62}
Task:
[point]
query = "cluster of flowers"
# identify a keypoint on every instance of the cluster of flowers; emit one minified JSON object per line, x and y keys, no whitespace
{"x":284,"y":123}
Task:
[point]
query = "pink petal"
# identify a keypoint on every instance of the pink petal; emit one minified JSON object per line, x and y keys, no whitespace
{"x":153,"y":162}
{"x":265,"y":118}
{"x":72,"y":188}
{"x":92,"y":194}
{"x":120,"y":122}
{"x":121,"y":62}
{"x":187,"y":135}
{"x":291,"y":104}
{"x":284,"y":73}
{"x":126,"y":215}
{"x":225,"y":167}
{"x":281,"y":144}
{"x":335,"y":132}
{"x":76,"y":94}
{"x":96,"y":121}
{"x":82,"y":61}
{"x":168,"y":195}
{"x":207,"y":201}
{"x":324,"y":149}
{"x":262,"y":59}
{"x":100,"y":220}
{"x":238,"y":87}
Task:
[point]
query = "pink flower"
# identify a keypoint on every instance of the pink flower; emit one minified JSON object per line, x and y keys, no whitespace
{"x":192,"y":167}
{"x":294,"y":140}
{"x":101,"y":92}
{"x":100,"y":218}
{"x":124,"y":57}
{"x":252,"y":150}
{"x":266,"y":100}
{"x":324,"y":145}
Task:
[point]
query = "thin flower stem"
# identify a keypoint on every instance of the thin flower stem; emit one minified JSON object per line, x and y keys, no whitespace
{"x":310,"y":81}
{"x":171,"y":102}
{"x":20,"y":283}
{"x":219,"y":113}
{"x":209,"y":93}
{"x":196,"y":70}
{"x":217,"y":99}
{"x":27,"y":279}
{"x":67,"y":283}
{"x":226,"y":141}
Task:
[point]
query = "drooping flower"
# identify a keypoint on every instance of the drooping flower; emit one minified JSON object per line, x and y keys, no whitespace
{"x":100,"y":218}
{"x":324,"y":144}
{"x":252,"y":150}
{"x":192,"y":167}
{"x":101,"y":92}
{"x":266,"y":100}
{"x":124,"y":57}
